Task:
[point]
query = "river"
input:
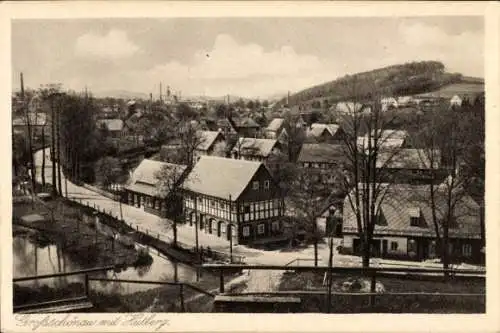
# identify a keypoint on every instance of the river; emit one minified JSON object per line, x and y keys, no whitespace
{"x":30,"y":259}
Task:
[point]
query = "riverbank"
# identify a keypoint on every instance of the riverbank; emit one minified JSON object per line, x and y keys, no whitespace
{"x":78,"y":235}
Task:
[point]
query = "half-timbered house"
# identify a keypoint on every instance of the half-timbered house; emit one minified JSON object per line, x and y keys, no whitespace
{"x":234,"y":198}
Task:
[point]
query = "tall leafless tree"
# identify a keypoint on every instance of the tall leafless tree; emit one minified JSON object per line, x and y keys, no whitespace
{"x":444,"y":145}
{"x":366,"y":178}
{"x":169,"y":179}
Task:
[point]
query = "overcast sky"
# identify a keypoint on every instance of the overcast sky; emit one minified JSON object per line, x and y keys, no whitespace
{"x":246,"y":57}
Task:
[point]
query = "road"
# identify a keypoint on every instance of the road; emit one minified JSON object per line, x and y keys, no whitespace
{"x":159,"y":226}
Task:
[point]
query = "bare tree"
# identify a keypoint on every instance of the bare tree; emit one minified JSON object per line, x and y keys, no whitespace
{"x":294,"y":138}
{"x":245,"y":147}
{"x":30,"y":136}
{"x":191,"y":138}
{"x":366,"y":180}
{"x":51,"y":92}
{"x":308,"y":194}
{"x":169,"y":180}
{"x":444,"y":146}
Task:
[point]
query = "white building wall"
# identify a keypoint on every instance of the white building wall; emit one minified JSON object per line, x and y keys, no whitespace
{"x":402,"y":243}
{"x":321,"y":224}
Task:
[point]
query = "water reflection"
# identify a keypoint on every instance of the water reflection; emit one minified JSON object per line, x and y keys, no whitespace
{"x":31,"y":259}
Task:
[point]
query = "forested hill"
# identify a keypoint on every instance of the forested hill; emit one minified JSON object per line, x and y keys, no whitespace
{"x":397,"y":80}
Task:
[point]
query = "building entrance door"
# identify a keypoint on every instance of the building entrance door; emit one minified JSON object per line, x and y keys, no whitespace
{"x":384,"y":247}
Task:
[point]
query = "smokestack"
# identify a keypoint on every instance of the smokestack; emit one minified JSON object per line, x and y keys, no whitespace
{"x":22,"y":85}
{"x":160,"y":93}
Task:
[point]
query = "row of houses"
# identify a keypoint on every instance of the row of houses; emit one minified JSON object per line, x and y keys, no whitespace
{"x":240,"y":199}
{"x":236,"y":190}
{"x":405,"y":228}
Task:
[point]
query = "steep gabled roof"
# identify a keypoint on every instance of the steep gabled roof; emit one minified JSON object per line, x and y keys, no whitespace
{"x":321,"y":153}
{"x":145,"y":177}
{"x":275,"y":124}
{"x":318,"y":129}
{"x":408,"y":158}
{"x":207,"y":139}
{"x":221,"y":177}
{"x":245,"y":122}
{"x":111,"y":124}
{"x":382,"y":144}
{"x":402,"y":201}
{"x":255,"y":147}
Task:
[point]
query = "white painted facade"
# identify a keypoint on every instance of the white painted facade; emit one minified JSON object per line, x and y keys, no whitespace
{"x":395,"y":245}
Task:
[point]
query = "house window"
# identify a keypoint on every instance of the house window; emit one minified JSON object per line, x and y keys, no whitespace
{"x":394,"y":246}
{"x":266,"y":184}
{"x":255,"y":185}
{"x":467,"y":250}
{"x":260,"y":229}
{"x":414,"y":213}
{"x":246,"y":231}
{"x":414,"y":221}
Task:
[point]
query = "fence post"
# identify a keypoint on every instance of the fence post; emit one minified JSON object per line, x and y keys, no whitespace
{"x":372,"y":289}
{"x":86,"y":285}
{"x":221,"y":286}
{"x":181,"y":294}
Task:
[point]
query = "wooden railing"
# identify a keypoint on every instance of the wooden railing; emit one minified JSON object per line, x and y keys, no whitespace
{"x":61,"y":303}
{"x":85,"y":298}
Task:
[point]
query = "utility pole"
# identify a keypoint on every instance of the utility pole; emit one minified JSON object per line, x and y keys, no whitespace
{"x":66,"y":184}
{"x":30,"y":140}
{"x":196,"y":222}
{"x":58,"y":142}
{"x":230,"y":233}
{"x":160,"y":94}
{"x":53,"y":143}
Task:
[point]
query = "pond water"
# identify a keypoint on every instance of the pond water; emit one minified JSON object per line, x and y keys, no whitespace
{"x":30,"y":259}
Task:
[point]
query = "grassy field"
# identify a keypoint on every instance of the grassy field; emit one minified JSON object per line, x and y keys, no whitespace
{"x":450,"y":90}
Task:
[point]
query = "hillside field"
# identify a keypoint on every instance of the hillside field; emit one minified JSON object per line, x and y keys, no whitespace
{"x":450,"y":90}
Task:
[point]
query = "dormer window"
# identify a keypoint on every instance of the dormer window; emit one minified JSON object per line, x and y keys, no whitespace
{"x":414,"y":216}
